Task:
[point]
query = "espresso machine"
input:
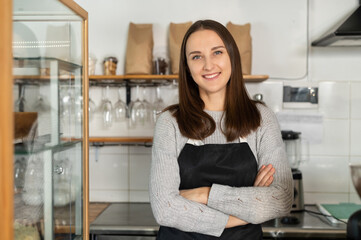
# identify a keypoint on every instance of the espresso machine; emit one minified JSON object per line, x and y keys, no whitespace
{"x":292,"y":141}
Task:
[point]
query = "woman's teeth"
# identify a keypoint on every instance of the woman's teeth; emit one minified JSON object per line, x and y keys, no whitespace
{"x":211,"y":76}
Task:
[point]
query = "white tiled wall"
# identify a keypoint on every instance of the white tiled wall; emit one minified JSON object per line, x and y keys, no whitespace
{"x":356,"y":100}
{"x":333,"y":100}
{"x":335,"y":141}
{"x":355,"y":147}
{"x":326,"y":173}
{"x":121,"y":173}
{"x":109,"y":174}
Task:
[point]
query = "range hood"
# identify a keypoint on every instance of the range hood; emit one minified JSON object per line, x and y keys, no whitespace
{"x":347,"y":34}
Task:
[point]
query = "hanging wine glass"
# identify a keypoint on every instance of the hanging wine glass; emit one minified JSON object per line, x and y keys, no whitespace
{"x":107,"y":109}
{"x":120,"y":108}
{"x":174,"y":88}
{"x":147,"y":106}
{"x":137,"y":111}
{"x":67,"y":102}
{"x":158,"y":105}
{"x":92,"y":108}
{"x":20,"y":104}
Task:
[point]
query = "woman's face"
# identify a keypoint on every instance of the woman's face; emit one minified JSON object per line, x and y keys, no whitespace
{"x":209,"y":63}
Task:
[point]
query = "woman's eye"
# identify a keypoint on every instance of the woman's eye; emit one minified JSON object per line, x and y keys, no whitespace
{"x":218,"y":52}
{"x":195,"y":57}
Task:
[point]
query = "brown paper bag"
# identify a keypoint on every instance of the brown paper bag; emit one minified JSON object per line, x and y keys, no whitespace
{"x":176,"y":34}
{"x":139,"y":49}
{"x":242,"y":36}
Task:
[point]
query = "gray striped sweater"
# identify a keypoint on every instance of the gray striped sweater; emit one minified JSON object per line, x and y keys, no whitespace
{"x":251,"y":204}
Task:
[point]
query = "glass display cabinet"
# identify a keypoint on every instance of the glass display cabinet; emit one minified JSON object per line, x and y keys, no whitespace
{"x":50,"y":120}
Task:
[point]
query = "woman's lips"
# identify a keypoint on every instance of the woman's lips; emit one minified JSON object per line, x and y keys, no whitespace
{"x":211,"y":76}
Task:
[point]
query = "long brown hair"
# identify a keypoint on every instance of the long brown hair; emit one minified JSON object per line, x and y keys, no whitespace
{"x":240,"y":112}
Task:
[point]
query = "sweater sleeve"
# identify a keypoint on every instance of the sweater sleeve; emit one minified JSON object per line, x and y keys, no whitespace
{"x":169,"y":208}
{"x":260,"y":204}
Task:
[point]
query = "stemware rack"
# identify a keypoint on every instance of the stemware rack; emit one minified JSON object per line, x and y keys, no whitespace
{"x":145,"y":80}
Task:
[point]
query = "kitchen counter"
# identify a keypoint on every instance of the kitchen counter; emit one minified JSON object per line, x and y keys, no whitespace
{"x":135,"y":219}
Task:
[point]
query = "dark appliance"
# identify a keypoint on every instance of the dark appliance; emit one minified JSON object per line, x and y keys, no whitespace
{"x":292,"y":141}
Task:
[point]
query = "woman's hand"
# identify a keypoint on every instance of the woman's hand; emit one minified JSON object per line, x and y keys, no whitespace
{"x":264,"y":176}
{"x":196,"y":194}
{"x":233,"y":222}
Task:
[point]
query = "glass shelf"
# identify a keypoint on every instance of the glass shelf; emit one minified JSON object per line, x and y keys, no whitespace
{"x":21,"y":149}
{"x":44,"y":62}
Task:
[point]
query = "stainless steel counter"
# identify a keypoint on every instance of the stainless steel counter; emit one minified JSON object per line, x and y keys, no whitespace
{"x":310,"y":226}
{"x":137,"y":219}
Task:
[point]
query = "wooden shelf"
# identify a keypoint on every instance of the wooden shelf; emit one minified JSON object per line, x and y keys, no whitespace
{"x":121,"y":139}
{"x":45,"y":78}
{"x":121,"y":78}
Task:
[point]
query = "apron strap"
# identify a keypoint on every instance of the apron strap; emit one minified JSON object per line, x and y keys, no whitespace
{"x":195,"y":142}
{"x":200,"y":143}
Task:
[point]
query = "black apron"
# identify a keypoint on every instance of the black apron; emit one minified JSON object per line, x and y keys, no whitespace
{"x":227,"y":164}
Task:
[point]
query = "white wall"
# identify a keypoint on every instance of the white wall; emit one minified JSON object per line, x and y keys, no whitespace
{"x":108,"y":28}
{"x":121,"y":173}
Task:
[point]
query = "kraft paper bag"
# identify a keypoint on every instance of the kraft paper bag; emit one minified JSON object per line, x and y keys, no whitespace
{"x":242,"y":36}
{"x":176,"y":34}
{"x":139,"y":49}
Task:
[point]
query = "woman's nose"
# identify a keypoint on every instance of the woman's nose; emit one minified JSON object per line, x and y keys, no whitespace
{"x":208,"y":64}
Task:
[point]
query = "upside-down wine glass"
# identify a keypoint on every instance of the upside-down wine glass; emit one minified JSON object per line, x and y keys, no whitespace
{"x":148,"y":108}
{"x":120,"y":108}
{"x":137,"y":111}
{"x":92,"y":108}
{"x":20,"y":104}
{"x":158,"y":104}
{"x":107,"y":109}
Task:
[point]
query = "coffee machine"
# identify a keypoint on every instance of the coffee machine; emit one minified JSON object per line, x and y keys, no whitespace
{"x":292,"y":141}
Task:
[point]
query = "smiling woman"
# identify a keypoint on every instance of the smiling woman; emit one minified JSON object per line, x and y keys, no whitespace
{"x":219,"y":168}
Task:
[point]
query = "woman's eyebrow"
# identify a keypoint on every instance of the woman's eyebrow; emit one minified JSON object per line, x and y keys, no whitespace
{"x":213,"y":48}
{"x":194,"y":52}
{"x":217,"y":47}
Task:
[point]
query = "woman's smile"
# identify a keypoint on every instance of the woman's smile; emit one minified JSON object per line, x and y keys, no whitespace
{"x":211,"y":76}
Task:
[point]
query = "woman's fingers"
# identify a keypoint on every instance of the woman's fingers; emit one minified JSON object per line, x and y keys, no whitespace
{"x":258,"y":179}
{"x":268,"y":178}
{"x":265,"y":176}
{"x":261,"y":173}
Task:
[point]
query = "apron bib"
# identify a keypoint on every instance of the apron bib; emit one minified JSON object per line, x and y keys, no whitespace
{"x":227,"y":164}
